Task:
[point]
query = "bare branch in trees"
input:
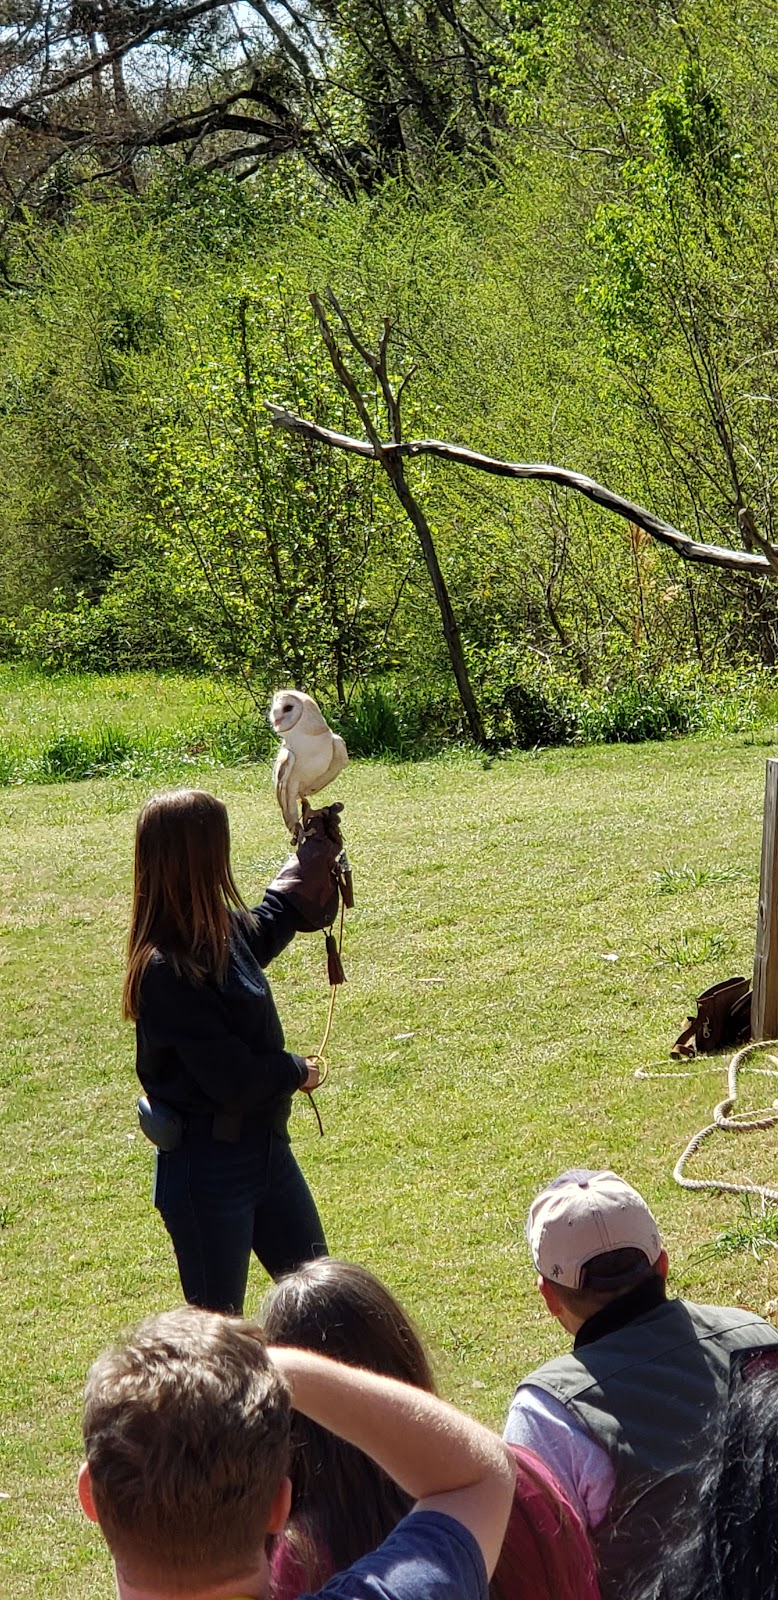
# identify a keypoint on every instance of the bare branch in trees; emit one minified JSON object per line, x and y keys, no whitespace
{"x":88,"y":78}
{"x":341,"y":370}
{"x":761,"y":563}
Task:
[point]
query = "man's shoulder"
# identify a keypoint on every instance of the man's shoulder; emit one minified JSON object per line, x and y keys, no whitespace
{"x":428,"y":1556}
{"x":565,"y":1365}
{"x":729,"y":1317}
{"x":651,"y":1336}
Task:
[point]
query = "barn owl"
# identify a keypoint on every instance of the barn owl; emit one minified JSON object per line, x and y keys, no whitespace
{"x":311,"y":755}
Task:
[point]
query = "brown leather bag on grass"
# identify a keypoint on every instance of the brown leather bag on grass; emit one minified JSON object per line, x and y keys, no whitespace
{"x":723,"y":1019}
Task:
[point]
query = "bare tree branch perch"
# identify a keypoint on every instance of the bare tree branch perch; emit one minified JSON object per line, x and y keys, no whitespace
{"x":762,"y":563}
{"x":391,"y":461}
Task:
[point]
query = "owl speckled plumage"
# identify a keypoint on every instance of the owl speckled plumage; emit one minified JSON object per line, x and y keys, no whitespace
{"x":310,"y":757}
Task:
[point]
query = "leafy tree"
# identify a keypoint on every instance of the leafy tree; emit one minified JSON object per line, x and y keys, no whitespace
{"x":302,"y":564}
{"x":676,"y":290}
{"x":354,"y":89}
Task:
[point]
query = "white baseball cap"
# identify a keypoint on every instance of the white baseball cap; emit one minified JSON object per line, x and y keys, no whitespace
{"x":584,"y":1214}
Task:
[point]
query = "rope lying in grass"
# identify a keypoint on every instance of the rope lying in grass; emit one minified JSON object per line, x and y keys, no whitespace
{"x":724,"y":1120}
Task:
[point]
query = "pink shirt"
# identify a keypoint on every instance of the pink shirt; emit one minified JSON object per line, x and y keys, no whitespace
{"x":545,"y":1536}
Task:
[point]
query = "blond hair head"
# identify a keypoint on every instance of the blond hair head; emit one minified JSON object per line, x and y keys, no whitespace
{"x":186,"y":1429}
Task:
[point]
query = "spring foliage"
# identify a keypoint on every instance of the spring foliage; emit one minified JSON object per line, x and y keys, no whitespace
{"x":601,"y":293}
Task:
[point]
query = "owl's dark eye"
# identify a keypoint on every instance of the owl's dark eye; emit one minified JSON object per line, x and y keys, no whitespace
{"x":288,"y":708}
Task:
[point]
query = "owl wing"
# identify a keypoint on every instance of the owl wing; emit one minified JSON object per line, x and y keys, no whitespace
{"x":286,"y":787}
{"x":337,"y":763}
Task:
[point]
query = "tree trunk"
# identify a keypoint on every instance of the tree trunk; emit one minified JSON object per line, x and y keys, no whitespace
{"x":394,"y":469}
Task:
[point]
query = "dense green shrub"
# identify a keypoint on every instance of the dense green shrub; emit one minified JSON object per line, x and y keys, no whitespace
{"x":527,"y":704}
{"x":136,"y":624}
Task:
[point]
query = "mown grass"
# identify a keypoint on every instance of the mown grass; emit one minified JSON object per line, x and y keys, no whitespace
{"x":503,"y":986}
{"x":60,"y":726}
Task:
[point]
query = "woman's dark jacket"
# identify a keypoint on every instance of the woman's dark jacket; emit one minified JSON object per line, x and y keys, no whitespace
{"x":206,"y":1048}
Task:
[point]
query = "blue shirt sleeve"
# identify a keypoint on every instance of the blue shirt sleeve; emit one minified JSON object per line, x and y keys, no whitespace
{"x":428,"y":1556}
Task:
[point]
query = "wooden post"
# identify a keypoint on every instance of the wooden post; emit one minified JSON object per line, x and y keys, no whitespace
{"x":764,"y":1006}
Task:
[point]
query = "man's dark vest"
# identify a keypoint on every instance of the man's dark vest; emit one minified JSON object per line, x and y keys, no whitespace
{"x":647,"y":1393}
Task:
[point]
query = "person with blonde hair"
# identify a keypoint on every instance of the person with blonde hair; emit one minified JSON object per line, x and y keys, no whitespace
{"x":211,"y":1057}
{"x":186,"y":1437}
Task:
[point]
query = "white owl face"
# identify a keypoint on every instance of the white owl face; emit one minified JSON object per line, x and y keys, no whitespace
{"x":285,"y":711}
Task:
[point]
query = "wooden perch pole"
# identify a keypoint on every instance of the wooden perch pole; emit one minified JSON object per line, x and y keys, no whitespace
{"x":764,"y":1004}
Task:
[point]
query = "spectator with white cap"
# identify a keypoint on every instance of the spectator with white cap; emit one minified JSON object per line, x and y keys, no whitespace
{"x":621,"y":1420}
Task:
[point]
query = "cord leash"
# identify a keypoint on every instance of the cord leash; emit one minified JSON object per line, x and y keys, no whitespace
{"x":319,"y":1058}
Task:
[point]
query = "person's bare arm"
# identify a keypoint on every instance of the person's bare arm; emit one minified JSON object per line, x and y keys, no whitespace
{"x":442,"y":1458}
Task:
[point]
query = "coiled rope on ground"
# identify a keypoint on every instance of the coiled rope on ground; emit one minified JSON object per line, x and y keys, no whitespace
{"x":725,"y":1121}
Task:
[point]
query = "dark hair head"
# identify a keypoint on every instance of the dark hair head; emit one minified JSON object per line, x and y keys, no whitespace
{"x":341,"y":1500}
{"x":723,"y":1543}
{"x":186,"y":1429}
{"x":615,"y":1271}
{"x":343,"y":1505}
{"x":343,"y":1311}
{"x":183,"y":887}
{"x":744,"y":1498}
{"x":605,"y":1278}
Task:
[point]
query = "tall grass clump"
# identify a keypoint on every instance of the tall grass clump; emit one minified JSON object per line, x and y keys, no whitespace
{"x":633,"y":712}
{"x":75,"y":755}
{"x":242,"y":737}
{"x":396,"y":719}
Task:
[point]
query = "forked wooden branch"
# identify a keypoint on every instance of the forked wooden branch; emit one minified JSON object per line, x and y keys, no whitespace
{"x":762,"y":563}
{"x":392,"y":463}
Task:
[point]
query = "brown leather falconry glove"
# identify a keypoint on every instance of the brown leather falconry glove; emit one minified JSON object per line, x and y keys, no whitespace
{"x":308,"y":877}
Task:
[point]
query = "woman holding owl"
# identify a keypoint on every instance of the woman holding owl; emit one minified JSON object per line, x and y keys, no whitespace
{"x":211,"y":1057}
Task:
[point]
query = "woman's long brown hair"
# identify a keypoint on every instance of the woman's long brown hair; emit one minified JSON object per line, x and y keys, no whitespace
{"x":343,"y":1505}
{"x":183,"y":889}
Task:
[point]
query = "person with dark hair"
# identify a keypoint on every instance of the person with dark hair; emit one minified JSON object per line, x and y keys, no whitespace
{"x":343,"y":1503}
{"x":622,"y":1421}
{"x":186,"y":1438}
{"x":211,"y":1056}
{"x":740,"y":1560}
{"x":731,"y":1553}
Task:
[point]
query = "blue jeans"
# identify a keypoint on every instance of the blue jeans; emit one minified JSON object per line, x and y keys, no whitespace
{"x":219,"y":1201}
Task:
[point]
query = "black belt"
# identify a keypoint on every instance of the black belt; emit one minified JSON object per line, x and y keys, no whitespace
{"x":168,"y":1128}
{"x":227,"y":1127}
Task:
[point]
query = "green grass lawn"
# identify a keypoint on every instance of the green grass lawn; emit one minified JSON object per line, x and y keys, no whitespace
{"x":35,"y":704}
{"x":485,"y":1039}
